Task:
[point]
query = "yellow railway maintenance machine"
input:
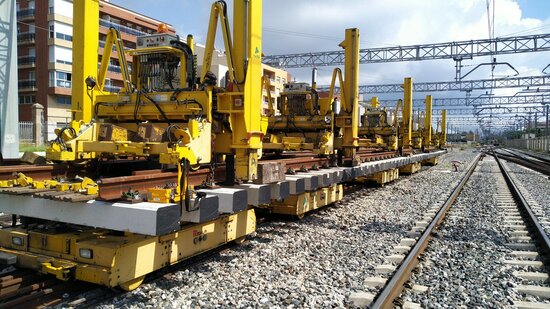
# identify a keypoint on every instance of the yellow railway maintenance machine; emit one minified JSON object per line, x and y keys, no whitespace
{"x":305,"y":121}
{"x":378,"y":127}
{"x":389,"y":130}
{"x":164,"y":112}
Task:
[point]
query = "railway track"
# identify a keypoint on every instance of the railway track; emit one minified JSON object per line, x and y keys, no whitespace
{"x":26,"y":289}
{"x":535,"y":162}
{"x":528,"y":243}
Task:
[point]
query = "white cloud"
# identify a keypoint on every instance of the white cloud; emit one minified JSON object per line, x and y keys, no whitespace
{"x":386,"y":23}
{"x":395,"y":22}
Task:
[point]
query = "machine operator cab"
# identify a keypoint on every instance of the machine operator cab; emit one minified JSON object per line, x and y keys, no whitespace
{"x":159,"y":60}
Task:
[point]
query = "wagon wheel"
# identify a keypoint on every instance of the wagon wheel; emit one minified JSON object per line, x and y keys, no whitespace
{"x":132,"y":284}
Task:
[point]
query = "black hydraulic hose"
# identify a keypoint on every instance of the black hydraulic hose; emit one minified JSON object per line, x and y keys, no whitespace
{"x":158,"y":108}
{"x":316,"y":106}
{"x":185,"y":200}
{"x":191,"y":73}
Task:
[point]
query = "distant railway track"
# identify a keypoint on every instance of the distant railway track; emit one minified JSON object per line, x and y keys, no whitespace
{"x":535,"y":162}
{"x":509,"y":196}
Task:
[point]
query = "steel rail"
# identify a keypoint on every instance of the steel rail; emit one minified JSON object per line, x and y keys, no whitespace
{"x":537,"y":231}
{"x":539,"y":157}
{"x":534,"y":164}
{"x":395,"y":285}
{"x":37,"y":172}
{"x":111,"y":188}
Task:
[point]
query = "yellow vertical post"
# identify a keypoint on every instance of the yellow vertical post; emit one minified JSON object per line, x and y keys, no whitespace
{"x":191,"y":42}
{"x":240,"y":36}
{"x":407,"y":113}
{"x":428,"y":122}
{"x":351,"y":91}
{"x":443,"y":137}
{"x":250,"y":126}
{"x":85,"y":47}
{"x":374,"y":102}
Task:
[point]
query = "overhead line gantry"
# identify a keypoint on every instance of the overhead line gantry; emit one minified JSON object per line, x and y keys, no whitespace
{"x":542,"y":98}
{"x":467,"y":85}
{"x":457,"y":51}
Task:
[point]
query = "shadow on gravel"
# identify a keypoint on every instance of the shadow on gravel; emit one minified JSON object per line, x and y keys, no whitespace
{"x":385,"y":226}
{"x":477,"y":235}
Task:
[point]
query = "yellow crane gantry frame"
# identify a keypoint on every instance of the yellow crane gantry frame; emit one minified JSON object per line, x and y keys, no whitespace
{"x":243,"y":103}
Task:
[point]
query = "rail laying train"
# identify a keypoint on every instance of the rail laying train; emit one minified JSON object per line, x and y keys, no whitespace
{"x":174,"y":165}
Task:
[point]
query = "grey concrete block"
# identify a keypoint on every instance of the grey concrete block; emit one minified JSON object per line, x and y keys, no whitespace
{"x":140,"y":218}
{"x":369,"y":170}
{"x":349,"y":174}
{"x":311,"y":182}
{"x":296,"y":185}
{"x":358,"y":170}
{"x":257,"y":194}
{"x":280,"y":190}
{"x":201,"y":209}
{"x":338,"y":174}
{"x":7,"y":259}
{"x":231,"y":200}
{"x":325,"y":177}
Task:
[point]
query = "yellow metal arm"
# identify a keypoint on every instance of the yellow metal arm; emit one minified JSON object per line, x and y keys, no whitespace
{"x":85,"y":46}
{"x":219,"y":10}
{"x":113,"y":37}
{"x":348,"y":118}
{"x":407,"y":113}
{"x":337,"y":73}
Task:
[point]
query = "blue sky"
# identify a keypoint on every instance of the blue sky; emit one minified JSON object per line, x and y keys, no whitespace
{"x":535,"y":8}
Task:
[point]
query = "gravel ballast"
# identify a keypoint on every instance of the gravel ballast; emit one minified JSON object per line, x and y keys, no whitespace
{"x":314,"y":262}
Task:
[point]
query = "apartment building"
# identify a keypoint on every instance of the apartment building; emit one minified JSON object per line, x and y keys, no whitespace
{"x":44,"y":48}
{"x":277,"y":80}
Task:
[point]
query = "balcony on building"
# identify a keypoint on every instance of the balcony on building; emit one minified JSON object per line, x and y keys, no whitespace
{"x":25,"y":14}
{"x":27,"y":85}
{"x":26,"y":38}
{"x":25,"y":62}
{"x":121,"y":28}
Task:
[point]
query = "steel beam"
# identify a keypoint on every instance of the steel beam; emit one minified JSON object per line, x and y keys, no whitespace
{"x":491,"y":109}
{"x":9,"y":107}
{"x":467,"y":85}
{"x":541,"y":98}
{"x":448,"y":50}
